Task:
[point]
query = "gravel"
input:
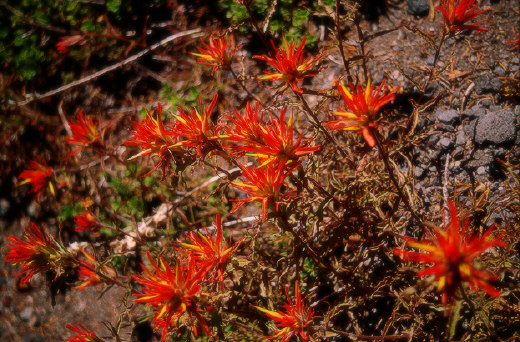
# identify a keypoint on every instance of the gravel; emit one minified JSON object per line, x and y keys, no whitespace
{"x":496,"y":127}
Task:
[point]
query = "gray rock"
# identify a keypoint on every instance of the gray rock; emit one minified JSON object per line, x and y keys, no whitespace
{"x":419,"y":171}
{"x":445,"y":143}
{"x":469,"y":130}
{"x":474,"y":112}
{"x":487,"y":84}
{"x":418,"y":7}
{"x":480,"y":158}
{"x":447,"y":116}
{"x":26,"y":313}
{"x":496,"y":128}
{"x":482,"y":170}
{"x":499,"y":71}
{"x":460,"y":139}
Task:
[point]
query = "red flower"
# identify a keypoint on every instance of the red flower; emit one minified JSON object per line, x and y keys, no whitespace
{"x":87,"y":221}
{"x":82,"y":334}
{"x":215,"y":54}
{"x":247,"y":128}
{"x":154,"y":139}
{"x":294,"y":321}
{"x":89,"y":273}
{"x":290,"y":64}
{"x":363,"y":105}
{"x":67,"y":41}
{"x":85,"y":132}
{"x":39,"y":177}
{"x":211,"y":251}
{"x":173,"y":292}
{"x":277,"y":143}
{"x":196,"y":128}
{"x":264,"y":185}
{"x":452,"y":252}
{"x":457,"y":13}
{"x":38,"y":254}
{"x":515,"y":43}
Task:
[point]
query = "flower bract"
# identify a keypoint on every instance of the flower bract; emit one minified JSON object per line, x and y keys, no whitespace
{"x":215,"y":54}
{"x":38,"y":176}
{"x":457,"y":13}
{"x":82,"y":334}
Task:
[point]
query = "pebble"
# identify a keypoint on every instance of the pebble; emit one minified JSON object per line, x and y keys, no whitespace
{"x":418,"y":7}
{"x":446,"y":143}
{"x":447,"y":116}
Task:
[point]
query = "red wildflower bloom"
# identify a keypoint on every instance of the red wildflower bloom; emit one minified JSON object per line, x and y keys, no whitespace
{"x":196,"y":128}
{"x":363,"y":105}
{"x":154,"y":139}
{"x":294,"y":321}
{"x":67,"y":41}
{"x":39,"y":176}
{"x":82,"y":334}
{"x":173,"y":292}
{"x":215,"y":54}
{"x":452,"y":251}
{"x":87,"y":221}
{"x":246,"y":128}
{"x":264,"y":185}
{"x":38,"y":254}
{"x":85,"y":132}
{"x":515,"y":43}
{"x":457,"y":13}
{"x":290,"y":64}
{"x":277,"y":143}
{"x":211,"y":251}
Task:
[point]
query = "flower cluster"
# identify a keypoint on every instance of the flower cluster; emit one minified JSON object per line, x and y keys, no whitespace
{"x":87,"y":221}
{"x":457,"y":13}
{"x":82,"y":334}
{"x":290,"y":64}
{"x":294,"y":320}
{"x":85,"y":132}
{"x":363,"y":104}
{"x":452,"y":252}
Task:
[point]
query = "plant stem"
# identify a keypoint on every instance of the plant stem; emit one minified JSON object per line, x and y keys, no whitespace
{"x":386,"y":161}
{"x":339,"y":37}
{"x":435,"y":60}
{"x":361,"y":38}
{"x":241,"y":82}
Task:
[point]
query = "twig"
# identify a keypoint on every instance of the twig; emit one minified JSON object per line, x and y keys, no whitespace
{"x":112,"y":67}
{"x":339,"y":37}
{"x":445,"y":187}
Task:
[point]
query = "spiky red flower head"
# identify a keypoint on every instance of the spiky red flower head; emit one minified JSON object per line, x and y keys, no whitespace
{"x":91,"y":273}
{"x":155,"y":140}
{"x":67,"y":41}
{"x":277,"y":143}
{"x":246,"y":128}
{"x":452,"y":251}
{"x":211,"y":251}
{"x":295,"y":318}
{"x":291,"y":66}
{"x":39,"y":175}
{"x":264,"y":185}
{"x":87,"y":221}
{"x":82,"y":334}
{"x":457,"y":13}
{"x":39,"y":253}
{"x":195,"y":129}
{"x":362,"y":104}
{"x":85,"y":132}
{"x":172,"y":292}
{"x":215,"y":54}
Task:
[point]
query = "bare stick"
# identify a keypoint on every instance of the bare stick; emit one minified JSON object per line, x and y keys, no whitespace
{"x":112,"y":67}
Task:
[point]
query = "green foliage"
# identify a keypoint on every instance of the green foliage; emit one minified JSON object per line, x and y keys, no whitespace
{"x":290,"y":18}
{"x":69,"y":211}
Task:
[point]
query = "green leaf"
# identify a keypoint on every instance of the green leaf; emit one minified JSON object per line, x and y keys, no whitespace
{"x":113,"y":5}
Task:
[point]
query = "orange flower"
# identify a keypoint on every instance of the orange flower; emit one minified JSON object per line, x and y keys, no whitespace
{"x":82,"y":334}
{"x":210,"y":251}
{"x":294,"y":321}
{"x":87,"y":221}
{"x":290,"y":64}
{"x":457,"y":13}
{"x":38,"y":254}
{"x":39,"y":177}
{"x":363,"y":105}
{"x":172,"y":292}
{"x":196,"y":128}
{"x":452,"y":252}
{"x":215,"y":54}
{"x":154,"y":139}
{"x":264,"y":185}
{"x":277,"y":143}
